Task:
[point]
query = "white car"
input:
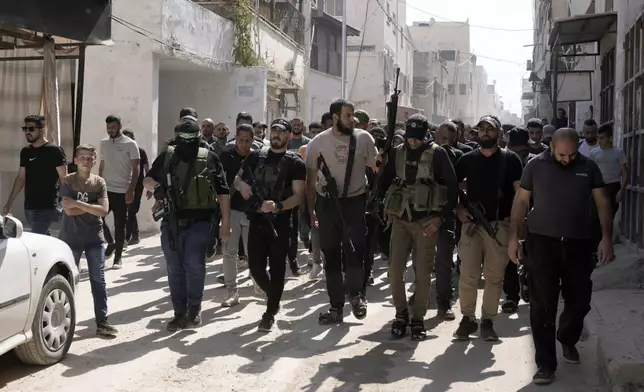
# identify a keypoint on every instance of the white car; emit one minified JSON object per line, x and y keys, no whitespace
{"x":38,"y":279}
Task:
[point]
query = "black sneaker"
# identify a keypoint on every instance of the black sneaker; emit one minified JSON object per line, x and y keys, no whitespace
{"x":543,"y":376}
{"x":117,"y":264}
{"x":266,"y":323}
{"x":509,"y":306}
{"x":446,"y":314}
{"x":109,"y":250}
{"x":370,"y":281}
{"x":134,"y":241}
{"x":487,"y":331}
{"x":570,"y":354}
{"x":193,"y":318}
{"x":467,"y":327}
{"x":106,"y":329}
{"x":178,"y":323}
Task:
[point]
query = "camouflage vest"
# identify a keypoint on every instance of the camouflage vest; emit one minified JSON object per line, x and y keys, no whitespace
{"x":424,"y":195}
{"x":191,"y":183}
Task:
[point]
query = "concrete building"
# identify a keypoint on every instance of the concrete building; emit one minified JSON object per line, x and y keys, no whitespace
{"x":449,"y":42}
{"x":613,"y":29}
{"x":430,"y":85}
{"x":527,"y":98}
{"x":384,"y":44}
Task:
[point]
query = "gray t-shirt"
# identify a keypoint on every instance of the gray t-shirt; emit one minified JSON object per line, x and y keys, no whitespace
{"x":295,"y":144}
{"x":610,"y":163}
{"x":117,"y":155}
{"x":335,"y":150}
{"x":84,"y":229}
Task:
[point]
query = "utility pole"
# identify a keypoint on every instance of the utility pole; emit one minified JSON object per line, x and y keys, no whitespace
{"x":344,"y":49}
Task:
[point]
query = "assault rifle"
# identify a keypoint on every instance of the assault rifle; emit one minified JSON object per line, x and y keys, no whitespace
{"x":257,"y":199}
{"x":331,"y":189}
{"x":392,"y":111}
{"x":476,"y":210}
{"x":168,"y":211}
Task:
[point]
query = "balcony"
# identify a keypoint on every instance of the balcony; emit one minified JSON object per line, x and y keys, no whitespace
{"x":284,"y":15}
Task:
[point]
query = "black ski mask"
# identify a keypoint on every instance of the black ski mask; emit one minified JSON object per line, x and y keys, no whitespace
{"x":188,"y":137}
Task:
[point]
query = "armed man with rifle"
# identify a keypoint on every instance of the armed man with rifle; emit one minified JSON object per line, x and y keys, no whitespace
{"x":490,"y":176}
{"x":273,"y":180}
{"x":337,"y":204}
{"x":189,"y":185}
{"x":422,"y":194}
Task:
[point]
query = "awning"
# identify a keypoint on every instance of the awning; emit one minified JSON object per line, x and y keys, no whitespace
{"x":582,"y":29}
{"x":320,"y":15}
{"x":87,"y":21}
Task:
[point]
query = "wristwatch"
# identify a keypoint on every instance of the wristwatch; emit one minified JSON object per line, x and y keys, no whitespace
{"x":278,"y":206}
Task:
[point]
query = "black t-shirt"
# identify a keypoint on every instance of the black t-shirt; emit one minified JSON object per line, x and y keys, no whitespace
{"x":482,"y":174}
{"x":562,"y":202}
{"x":232,"y":162}
{"x":463,"y":147}
{"x":158,"y":172}
{"x":295,"y":169}
{"x":41,"y":182}
{"x":144,"y":161}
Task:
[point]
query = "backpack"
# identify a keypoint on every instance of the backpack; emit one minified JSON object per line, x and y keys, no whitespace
{"x":191,"y":182}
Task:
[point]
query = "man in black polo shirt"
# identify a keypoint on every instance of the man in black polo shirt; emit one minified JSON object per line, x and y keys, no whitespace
{"x":42,"y":166}
{"x":559,"y":245}
{"x":490,"y":175}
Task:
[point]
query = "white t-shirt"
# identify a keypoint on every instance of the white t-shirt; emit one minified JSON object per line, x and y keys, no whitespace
{"x":610,"y":163}
{"x":118,"y":154}
{"x":585,"y":148}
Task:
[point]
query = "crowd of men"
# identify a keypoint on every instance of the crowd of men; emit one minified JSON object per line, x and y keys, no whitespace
{"x":345,"y":192}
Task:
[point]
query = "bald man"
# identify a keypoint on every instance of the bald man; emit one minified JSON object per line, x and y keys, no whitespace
{"x":207,"y":130}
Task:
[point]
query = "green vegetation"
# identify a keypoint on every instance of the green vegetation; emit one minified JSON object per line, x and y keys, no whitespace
{"x":243,"y":53}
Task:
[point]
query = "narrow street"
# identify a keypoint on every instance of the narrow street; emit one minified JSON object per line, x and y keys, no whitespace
{"x":227,"y":354}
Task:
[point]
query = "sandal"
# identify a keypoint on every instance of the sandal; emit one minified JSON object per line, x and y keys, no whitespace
{"x":418,"y":331}
{"x":399,"y":325}
{"x":333,"y":316}
{"x":359,"y":306}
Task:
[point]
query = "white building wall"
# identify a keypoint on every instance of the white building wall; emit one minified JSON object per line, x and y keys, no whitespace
{"x":323,"y":89}
{"x":280,"y":54}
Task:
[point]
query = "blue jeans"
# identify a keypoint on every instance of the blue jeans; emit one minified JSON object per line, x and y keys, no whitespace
{"x":40,"y":220}
{"x":95,"y":255}
{"x":187,"y":277}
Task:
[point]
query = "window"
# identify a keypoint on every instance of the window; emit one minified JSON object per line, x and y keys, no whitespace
{"x":326,"y":51}
{"x":606,"y":95}
{"x":450,"y":89}
{"x":462,"y":89}
{"x":609,"y":6}
{"x":333,"y":7}
{"x":632,"y":222}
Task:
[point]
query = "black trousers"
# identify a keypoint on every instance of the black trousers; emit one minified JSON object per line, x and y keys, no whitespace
{"x":293,"y":235}
{"x":511,"y":286}
{"x":374,"y":231}
{"x":119,"y":208}
{"x":270,"y":251}
{"x":331,"y":244}
{"x":132,"y":225}
{"x":558,"y":265}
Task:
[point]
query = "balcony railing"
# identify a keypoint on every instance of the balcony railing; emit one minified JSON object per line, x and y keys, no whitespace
{"x":282,"y":14}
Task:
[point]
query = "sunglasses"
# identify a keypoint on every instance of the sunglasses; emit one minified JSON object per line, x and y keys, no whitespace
{"x":31,"y":129}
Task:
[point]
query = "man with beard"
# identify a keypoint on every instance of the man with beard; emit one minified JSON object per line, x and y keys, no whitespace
{"x":490,"y":176}
{"x":421,"y":196}
{"x":347,"y":153}
{"x":519,"y":142}
{"x":560,"y":245}
{"x":219,"y":138}
{"x":279,"y":175}
{"x":535,"y":128}
{"x":590,"y":141}
{"x":298,"y":139}
{"x":327,"y":120}
{"x":207,"y":130}
{"x":198,"y":190}
{"x":119,"y":167}
{"x":42,"y":168}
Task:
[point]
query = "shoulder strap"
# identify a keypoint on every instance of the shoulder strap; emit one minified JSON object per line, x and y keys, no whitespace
{"x":501,"y":177}
{"x":350,"y":159}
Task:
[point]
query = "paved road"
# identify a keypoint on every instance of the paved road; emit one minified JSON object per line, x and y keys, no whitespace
{"x":227,"y":354}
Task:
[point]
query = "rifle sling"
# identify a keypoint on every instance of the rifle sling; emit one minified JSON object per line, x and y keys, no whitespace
{"x":277,"y":191}
{"x":350,"y":160}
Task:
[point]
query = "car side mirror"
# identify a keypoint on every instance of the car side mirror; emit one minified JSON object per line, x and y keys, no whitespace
{"x":12,"y":227}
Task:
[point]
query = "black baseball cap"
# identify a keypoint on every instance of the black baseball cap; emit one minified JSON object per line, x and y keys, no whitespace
{"x":416,"y":126}
{"x":282,"y":124}
{"x":488,"y":120}
{"x":188,"y":111}
{"x":518,"y":136}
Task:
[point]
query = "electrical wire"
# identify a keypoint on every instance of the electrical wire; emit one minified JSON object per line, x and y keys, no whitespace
{"x":355,"y":73}
{"x":462,"y":23}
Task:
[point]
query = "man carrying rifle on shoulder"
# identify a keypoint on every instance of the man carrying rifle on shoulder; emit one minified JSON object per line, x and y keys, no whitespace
{"x":189,"y":185}
{"x":337,"y":206}
{"x":422,"y":193}
{"x":490,"y":177}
